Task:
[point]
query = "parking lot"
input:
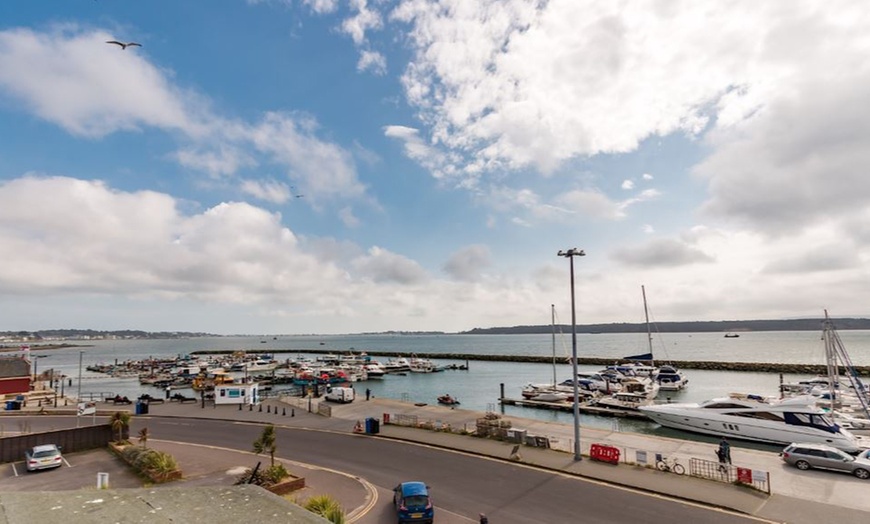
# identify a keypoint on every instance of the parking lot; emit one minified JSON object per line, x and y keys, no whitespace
{"x":79,"y":470}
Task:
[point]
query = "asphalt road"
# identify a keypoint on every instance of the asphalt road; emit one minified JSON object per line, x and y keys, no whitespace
{"x":462,"y":485}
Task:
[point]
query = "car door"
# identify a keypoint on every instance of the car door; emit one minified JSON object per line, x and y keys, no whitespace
{"x":838,"y":460}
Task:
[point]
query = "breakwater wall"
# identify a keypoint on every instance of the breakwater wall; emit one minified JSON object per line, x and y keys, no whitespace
{"x":759,"y":367}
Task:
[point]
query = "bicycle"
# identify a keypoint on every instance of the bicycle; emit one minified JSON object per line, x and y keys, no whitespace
{"x":668,"y":464}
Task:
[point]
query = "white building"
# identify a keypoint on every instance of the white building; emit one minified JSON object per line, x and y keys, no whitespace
{"x":237,"y":394}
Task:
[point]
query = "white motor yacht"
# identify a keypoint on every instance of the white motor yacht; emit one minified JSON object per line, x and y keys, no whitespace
{"x":762,"y":419}
{"x":670,"y":378}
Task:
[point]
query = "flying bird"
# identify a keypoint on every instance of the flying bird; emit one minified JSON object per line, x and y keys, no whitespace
{"x":122,"y":44}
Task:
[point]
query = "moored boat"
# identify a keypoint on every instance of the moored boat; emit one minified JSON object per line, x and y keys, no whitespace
{"x":761,"y":419}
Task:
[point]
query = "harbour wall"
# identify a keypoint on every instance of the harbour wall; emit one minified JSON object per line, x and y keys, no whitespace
{"x":760,"y":367}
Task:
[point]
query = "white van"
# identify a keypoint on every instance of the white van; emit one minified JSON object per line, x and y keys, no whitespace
{"x":343,"y":395}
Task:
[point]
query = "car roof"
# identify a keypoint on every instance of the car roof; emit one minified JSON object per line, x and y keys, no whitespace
{"x":44,"y":447}
{"x":410,"y":489}
{"x":812,"y":445}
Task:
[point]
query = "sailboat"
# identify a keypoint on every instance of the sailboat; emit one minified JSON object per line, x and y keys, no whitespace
{"x":563,"y":391}
{"x":668,"y":377}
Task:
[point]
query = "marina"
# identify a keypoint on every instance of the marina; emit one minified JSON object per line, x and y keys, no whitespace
{"x":480,"y":384}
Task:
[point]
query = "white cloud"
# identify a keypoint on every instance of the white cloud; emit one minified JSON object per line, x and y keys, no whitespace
{"x":627,"y":184}
{"x":647,"y":176}
{"x":467,"y":263}
{"x":348,"y":218}
{"x":220,"y":161}
{"x":268,"y":190}
{"x":75,"y":80}
{"x":72,"y":78}
{"x":382,"y":266}
{"x":515,"y":84}
{"x":372,"y":60}
{"x":365,"y":19}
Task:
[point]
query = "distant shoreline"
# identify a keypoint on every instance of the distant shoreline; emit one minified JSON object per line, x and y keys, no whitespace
{"x":40,"y":347}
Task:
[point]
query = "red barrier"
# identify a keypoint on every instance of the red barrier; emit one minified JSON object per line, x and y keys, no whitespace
{"x":604,"y":453}
{"x":386,"y":418}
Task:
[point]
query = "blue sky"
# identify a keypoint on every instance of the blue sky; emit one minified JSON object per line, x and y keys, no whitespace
{"x":325,"y":166}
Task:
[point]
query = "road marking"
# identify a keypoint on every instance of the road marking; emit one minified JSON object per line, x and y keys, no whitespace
{"x":65,"y":462}
{"x":14,"y":469}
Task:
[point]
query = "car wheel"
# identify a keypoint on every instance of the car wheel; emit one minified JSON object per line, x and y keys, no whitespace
{"x":802,"y":465}
{"x":862,"y":473}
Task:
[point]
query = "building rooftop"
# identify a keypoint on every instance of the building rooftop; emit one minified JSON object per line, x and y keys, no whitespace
{"x":211,"y":505}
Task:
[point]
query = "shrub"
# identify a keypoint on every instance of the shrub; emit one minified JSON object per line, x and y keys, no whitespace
{"x":327,"y":507}
{"x":157,"y":465}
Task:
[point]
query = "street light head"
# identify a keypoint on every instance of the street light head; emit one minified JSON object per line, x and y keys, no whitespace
{"x":573,"y":252}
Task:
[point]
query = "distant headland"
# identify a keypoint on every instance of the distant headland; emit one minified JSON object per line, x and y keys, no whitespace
{"x":713,"y":326}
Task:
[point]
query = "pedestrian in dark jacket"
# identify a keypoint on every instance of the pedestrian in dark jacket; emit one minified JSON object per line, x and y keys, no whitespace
{"x":483,"y":519}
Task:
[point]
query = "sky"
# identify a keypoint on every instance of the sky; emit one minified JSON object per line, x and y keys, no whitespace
{"x":347,"y":166}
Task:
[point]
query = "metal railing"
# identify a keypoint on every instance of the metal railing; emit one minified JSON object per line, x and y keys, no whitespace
{"x":729,"y":473}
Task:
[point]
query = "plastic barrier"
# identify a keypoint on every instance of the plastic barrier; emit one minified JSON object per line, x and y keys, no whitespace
{"x":604,"y":453}
{"x":386,"y":418}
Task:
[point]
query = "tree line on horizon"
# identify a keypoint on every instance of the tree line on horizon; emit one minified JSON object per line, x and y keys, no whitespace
{"x":711,"y":326}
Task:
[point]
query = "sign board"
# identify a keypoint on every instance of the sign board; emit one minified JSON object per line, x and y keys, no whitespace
{"x":87,"y":408}
{"x":641,"y":457}
{"x":759,"y":476}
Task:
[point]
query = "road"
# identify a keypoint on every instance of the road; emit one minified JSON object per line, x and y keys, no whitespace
{"x":462,"y":485}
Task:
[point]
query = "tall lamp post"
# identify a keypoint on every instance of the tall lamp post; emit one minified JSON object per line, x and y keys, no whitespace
{"x":79,"y":393}
{"x":570,"y":254}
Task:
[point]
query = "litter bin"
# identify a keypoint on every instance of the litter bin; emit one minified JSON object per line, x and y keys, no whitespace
{"x":373,"y":425}
{"x":9,"y":405}
{"x":141,"y":408}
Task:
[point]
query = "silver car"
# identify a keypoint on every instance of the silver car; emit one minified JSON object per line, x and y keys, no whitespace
{"x":43,"y":457}
{"x":806,"y":456}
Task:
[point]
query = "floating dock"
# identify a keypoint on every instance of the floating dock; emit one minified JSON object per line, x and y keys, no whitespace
{"x":569,"y":406}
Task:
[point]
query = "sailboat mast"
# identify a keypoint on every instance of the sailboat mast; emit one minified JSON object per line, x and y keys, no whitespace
{"x":553,"y":324}
{"x":648,"y":330}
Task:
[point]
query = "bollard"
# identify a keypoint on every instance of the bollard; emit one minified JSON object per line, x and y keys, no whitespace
{"x":283,"y":412}
{"x":261,"y":408}
{"x":292,"y":412}
{"x":240,"y":407}
{"x":250,"y":407}
{"x":268,"y":409}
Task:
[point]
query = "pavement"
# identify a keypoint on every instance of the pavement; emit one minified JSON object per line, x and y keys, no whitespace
{"x":795,"y":496}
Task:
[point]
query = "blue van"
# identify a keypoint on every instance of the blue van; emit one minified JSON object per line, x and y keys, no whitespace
{"x":413,"y":503}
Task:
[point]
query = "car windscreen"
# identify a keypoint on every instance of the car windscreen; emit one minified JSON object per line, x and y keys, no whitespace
{"x":46,"y":453}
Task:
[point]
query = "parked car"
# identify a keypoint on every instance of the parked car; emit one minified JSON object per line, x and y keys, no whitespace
{"x":806,"y":456}
{"x":43,"y":457}
{"x":413,"y":503}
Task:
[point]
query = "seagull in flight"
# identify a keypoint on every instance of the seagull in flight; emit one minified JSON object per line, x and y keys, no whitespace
{"x":122,"y":44}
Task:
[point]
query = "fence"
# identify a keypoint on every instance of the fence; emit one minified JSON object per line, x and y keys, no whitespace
{"x":70,"y":440}
{"x":729,"y":473}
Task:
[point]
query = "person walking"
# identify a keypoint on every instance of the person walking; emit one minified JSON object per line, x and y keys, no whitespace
{"x":368,"y":393}
{"x":725,"y":451}
{"x":483,"y":519}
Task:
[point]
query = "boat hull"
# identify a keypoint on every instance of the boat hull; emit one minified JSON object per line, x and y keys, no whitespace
{"x":749,"y":429}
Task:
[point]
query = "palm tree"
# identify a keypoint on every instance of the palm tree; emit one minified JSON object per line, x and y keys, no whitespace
{"x":143,"y":437}
{"x":266,"y":443}
{"x":120,"y":421}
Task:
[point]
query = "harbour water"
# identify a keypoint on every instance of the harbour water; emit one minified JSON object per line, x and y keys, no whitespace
{"x":478,"y":388}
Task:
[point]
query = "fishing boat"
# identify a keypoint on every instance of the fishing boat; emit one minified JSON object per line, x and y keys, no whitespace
{"x":448,"y":400}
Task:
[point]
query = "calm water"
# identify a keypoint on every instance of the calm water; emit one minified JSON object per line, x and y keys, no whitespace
{"x":478,"y":388}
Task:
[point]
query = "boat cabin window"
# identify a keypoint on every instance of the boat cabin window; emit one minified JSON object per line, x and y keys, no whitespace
{"x":822,"y":422}
{"x":763,"y":415}
{"x":724,"y":405}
